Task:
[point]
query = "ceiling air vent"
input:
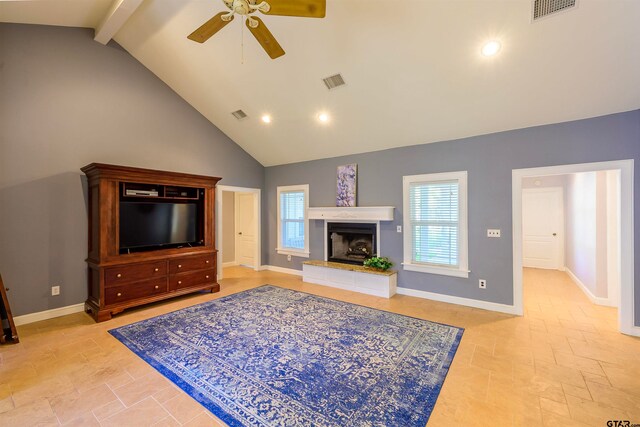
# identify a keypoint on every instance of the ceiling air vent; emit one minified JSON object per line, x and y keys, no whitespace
{"x":334,"y":81}
{"x":542,"y":8}
{"x":239,"y":114}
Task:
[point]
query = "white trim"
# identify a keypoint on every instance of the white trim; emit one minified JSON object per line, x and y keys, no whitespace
{"x":626,"y":298}
{"x":292,"y":252}
{"x":281,"y":270}
{"x":594,"y":299}
{"x":432,"y":269}
{"x":463,"y":269}
{"x":257,"y":206}
{"x":304,"y":253}
{"x":48,"y":314}
{"x":362,"y":213}
{"x":229,"y":264}
{"x":450,"y":299}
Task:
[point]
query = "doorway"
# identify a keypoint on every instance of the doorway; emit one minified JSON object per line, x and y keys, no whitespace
{"x":543,"y":228}
{"x":621,"y":242}
{"x":238,"y":227}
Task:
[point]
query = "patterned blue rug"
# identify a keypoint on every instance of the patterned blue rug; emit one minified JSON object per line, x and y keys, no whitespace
{"x":275,"y":357}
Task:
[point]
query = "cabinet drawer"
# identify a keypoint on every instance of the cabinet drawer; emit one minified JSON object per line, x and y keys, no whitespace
{"x":192,"y":279}
{"x":191,"y":263}
{"x":116,"y":294}
{"x":132,"y":273}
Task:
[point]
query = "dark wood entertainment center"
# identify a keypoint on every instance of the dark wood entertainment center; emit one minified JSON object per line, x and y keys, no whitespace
{"x":120,"y":279}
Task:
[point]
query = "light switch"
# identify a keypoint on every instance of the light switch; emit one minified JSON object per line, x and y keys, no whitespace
{"x":399,"y":229}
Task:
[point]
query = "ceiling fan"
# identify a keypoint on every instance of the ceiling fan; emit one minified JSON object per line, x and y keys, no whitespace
{"x":302,"y":8}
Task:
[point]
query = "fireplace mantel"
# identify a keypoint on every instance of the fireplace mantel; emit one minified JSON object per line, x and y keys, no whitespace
{"x":364,"y":213}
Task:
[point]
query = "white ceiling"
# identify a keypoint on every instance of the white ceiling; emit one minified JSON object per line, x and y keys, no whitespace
{"x":413,"y":68}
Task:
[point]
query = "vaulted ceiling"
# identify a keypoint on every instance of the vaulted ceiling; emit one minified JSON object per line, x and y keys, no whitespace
{"x":413,"y":68}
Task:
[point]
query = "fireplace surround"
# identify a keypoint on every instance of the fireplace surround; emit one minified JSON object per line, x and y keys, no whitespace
{"x":351,"y":242}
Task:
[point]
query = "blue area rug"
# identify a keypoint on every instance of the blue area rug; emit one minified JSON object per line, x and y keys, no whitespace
{"x":275,"y":357}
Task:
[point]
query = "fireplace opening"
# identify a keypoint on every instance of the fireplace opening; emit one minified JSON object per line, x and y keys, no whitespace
{"x":350,"y":243}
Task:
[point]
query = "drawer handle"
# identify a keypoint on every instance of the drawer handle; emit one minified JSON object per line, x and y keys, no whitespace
{"x":118,"y":275}
{"x":206,"y":277}
{"x":156,"y":269}
{"x":157,"y":287}
{"x":179,"y":282}
{"x":119,"y":294}
{"x":206,"y":262}
{"x":179,"y":265}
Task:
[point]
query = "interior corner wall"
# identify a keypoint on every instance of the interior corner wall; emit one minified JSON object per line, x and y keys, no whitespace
{"x":489,"y":161}
{"x":580,"y":220}
{"x":68,"y":101}
{"x":601,"y":235}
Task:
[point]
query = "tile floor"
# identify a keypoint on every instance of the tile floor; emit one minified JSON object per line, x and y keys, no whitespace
{"x":562,"y":364}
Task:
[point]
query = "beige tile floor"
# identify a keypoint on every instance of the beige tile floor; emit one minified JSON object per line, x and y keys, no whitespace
{"x":562,"y":364}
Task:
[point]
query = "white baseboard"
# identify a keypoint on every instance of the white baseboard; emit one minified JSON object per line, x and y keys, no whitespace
{"x":485,"y":305}
{"x":594,"y":299}
{"x":48,"y":314}
{"x":633,"y":331}
{"x":229,"y":264}
{"x":281,"y":270}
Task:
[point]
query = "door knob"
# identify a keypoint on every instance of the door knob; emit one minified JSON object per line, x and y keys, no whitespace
{"x":554,"y":234}
{"x":240,"y":233}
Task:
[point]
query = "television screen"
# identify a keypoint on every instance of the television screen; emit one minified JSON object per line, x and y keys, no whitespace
{"x":144,"y":224}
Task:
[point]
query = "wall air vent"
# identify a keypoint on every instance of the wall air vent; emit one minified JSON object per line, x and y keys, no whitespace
{"x":542,"y":8}
{"x":239,"y":114}
{"x":334,"y":81}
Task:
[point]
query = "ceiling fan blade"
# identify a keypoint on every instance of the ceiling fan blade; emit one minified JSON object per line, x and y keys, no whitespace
{"x":304,"y":8}
{"x":209,"y":28}
{"x":266,"y":39}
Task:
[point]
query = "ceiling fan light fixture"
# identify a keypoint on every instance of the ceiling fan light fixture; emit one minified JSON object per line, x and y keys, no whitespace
{"x":491,"y":48}
{"x":266,"y":118}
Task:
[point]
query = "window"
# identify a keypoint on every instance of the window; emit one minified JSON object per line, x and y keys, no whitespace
{"x":293,"y":232}
{"x":435,"y":223}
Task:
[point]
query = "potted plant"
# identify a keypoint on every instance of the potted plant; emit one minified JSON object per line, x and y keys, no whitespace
{"x":378,"y":263}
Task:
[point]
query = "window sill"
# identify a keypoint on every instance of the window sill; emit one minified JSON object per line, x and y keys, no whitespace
{"x":292,"y":252}
{"x":436,"y":270}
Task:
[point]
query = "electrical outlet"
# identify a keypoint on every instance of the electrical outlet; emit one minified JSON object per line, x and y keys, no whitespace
{"x":493,"y":232}
{"x":288,"y":257}
{"x":55,"y":290}
{"x":482,"y":284}
{"x":399,"y":228}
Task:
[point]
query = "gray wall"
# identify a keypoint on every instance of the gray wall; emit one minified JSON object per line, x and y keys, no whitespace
{"x":67,"y":101}
{"x":489,"y":160}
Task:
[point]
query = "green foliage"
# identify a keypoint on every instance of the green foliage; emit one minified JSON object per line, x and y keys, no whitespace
{"x":381,"y":263}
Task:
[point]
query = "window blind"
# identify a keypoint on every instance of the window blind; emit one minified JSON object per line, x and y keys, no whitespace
{"x":434,"y":217}
{"x":292,"y":219}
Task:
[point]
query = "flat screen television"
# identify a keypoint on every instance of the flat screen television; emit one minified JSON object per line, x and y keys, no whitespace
{"x":152,"y":225}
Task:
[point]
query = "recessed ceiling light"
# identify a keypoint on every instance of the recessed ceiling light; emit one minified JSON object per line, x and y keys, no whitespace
{"x":266,"y":118}
{"x":491,"y":48}
{"x":323,"y":117}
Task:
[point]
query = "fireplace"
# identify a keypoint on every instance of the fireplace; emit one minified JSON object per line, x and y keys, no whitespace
{"x":351,"y":242}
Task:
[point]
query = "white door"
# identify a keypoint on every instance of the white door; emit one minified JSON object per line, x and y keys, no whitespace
{"x":245,"y":229}
{"x":542,"y":228}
